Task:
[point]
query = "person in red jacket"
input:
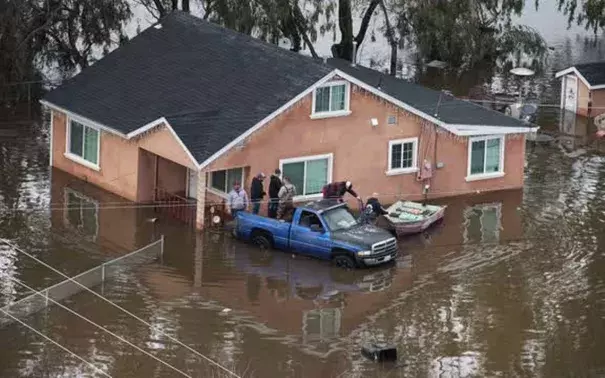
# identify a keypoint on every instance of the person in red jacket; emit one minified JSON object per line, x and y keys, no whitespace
{"x":336,"y":190}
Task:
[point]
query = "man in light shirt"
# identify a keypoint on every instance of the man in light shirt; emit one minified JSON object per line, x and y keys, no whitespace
{"x":237,"y":200}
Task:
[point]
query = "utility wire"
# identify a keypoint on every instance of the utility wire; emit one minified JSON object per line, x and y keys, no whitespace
{"x":98,"y":370}
{"x":46,"y":297}
{"x":208,"y":359}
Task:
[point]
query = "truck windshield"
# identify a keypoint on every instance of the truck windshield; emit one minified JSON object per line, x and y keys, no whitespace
{"x":339,"y":219}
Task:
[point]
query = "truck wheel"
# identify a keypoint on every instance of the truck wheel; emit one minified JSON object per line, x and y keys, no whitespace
{"x":261,"y":240}
{"x":344,"y":261}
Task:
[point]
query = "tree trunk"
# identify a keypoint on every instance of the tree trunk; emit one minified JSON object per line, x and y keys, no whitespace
{"x":185,"y":6}
{"x":301,"y":23}
{"x":391,"y":38}
{"x":175,"y":5}
{"x":365,"y":21}
{"x":344,"y":49}
{"x":160,"y":7}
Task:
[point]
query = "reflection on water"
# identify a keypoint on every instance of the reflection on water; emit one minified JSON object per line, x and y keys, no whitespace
{"x":511,"y":283}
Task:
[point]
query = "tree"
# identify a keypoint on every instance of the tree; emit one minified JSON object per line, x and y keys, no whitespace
{"x":466,"y":32}
{"x":57,"y":31}
{"x":591,"y":13}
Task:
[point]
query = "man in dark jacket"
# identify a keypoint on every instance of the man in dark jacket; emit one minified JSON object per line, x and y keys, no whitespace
{"x":336,"y":190}
{"x":377,"y":208}
{"x":257,"y":192}
{"x":274,"y":187}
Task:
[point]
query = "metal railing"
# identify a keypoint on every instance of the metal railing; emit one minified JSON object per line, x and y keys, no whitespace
{"x":175,"y":206}
{"x":91,"y":278}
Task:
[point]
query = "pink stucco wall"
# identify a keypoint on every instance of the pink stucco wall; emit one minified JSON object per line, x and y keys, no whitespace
{"x":119,"y":160}
{"x":360,"y":151}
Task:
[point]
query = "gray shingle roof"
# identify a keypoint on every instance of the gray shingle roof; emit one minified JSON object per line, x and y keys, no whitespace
{"x":593,"y":72}
{"x":211,"y":83}
{"x":451,"y":110}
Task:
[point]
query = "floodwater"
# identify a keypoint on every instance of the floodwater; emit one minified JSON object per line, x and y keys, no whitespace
{"x":510,"y":284}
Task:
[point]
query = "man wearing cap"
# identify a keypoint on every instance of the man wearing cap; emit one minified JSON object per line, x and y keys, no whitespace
{"x":257,"y":192}
{"x":336,"y":190}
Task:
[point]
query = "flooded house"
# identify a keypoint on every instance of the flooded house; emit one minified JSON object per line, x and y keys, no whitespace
{"x":583,"y":89}
{"x":187,"y":108}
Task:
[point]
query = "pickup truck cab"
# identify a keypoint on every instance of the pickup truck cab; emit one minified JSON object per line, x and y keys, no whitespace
{"x":321,"y":229}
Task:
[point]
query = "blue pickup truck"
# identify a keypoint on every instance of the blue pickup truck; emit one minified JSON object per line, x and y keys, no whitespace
{"x":321,"y":229}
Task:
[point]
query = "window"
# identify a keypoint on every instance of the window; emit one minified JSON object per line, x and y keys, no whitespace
{"x":485,"y":157}
{"x":83,"y":144}
{"x":392,"y":120}
{"x":403,"y":154}
{"x":308,"y":174}
{"x":331,"y":99}
{"x":308,"y":219}
{"x":483,"y":223}
{"x":223,"y":180}
{"x":82,"y":213}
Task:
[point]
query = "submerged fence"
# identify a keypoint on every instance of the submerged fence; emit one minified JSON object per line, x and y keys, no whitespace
{"x":94,"y":277}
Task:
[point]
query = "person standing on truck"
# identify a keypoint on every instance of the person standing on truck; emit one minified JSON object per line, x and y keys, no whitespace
{"x":275,"y":185}
{"x":286,"y":195}
{"x":237,"y":200}
{"x":336,"y":190}
{"x":257,"y":192}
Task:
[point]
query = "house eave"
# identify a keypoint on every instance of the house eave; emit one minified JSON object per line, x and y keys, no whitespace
{"x":476,"y":130}
{"x":81,"y":119}
{"x":573,"y":70}
{"x":129,"y":136}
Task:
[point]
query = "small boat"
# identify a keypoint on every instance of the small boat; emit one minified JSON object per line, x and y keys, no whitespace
{"x":407,"y":217}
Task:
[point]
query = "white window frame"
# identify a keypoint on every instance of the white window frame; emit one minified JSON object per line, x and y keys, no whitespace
{"x":485,"y":176}
{"x":217,"y":192}
{"x":78,"y":159}
{"x":95,"y":203}
{"x":302,"y":197}
{"x":338,"y":113}
{"x":400,"y":171}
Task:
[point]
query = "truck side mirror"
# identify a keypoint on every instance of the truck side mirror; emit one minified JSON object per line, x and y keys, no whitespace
{"x":316,"y":228}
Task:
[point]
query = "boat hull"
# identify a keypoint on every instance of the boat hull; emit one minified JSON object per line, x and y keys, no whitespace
{"x":407,"y":228}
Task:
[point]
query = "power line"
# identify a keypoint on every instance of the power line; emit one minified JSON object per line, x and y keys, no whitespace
{"x":194,"y":203}
{"x":208,"y":359}
{"x":46,"y":297}
{"x":98,"y":370}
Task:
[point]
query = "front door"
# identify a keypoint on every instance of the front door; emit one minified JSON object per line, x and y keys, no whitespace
{"x":569,"y":93}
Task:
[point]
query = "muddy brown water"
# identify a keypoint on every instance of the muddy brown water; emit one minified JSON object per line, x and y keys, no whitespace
{"x":510,"y":284}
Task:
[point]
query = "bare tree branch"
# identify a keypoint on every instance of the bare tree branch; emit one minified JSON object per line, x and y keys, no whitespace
{"x":391,"y":38}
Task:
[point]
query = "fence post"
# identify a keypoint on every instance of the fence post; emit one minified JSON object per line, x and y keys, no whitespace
{"x":103,"y":279}
{"x":161,"y":247}
{"x":46,"y":303}
{"x":29,"y":100}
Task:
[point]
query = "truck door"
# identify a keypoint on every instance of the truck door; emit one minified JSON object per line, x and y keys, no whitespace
{"x":309,"y":236}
